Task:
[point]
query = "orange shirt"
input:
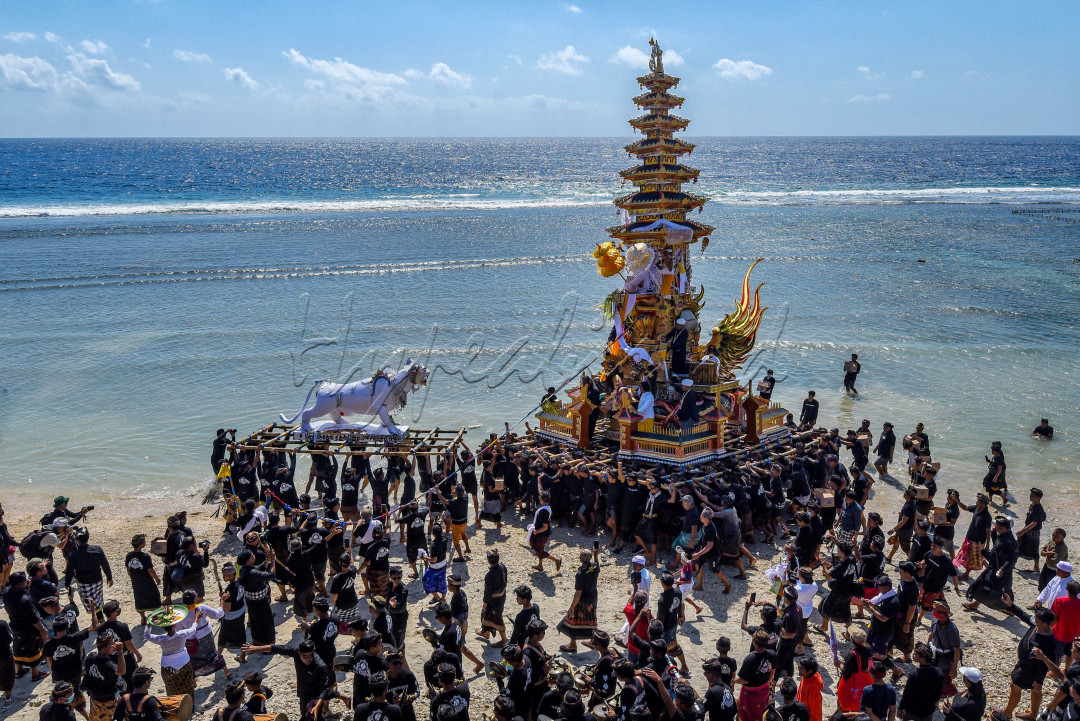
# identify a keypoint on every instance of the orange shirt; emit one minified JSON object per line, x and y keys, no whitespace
{"x":810,"y":694}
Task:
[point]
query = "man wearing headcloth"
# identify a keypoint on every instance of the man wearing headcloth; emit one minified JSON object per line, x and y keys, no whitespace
{"x":997,"y":578}
{"x":27,"y":629}
{"x":676,"y":341}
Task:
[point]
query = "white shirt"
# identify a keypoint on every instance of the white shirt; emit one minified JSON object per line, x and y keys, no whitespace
{"x":1054,"y":590}
{"x":258,"y":516}
{"x":645,"y":405}
{"x":646,"y":581}
{"x":807,"y":591}
{"x":174,"y":653}
{"x":203,"y":628}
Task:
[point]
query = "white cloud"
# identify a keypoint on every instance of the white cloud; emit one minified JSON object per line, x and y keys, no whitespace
{"x":147,"y":44}
{"x":566,"y":61}
{"x":741,"y":69}
{"x":879,"y":98}
{"x":441,"y":73}
{"x":516,"y":59}
{"x":351,"y":81}
{"x":572,"y":9}
{"x":97,"y":72}
{"x":637,"y":58}
{"x":87,"y":75}
{"x":191,"y":56}
{"x":413,"y":73}
{"x":917,"y":74}
{"x":239,"y":76}
{"x":94,"y":47}
{"x":19,"y":73}
{"x":867,"y":73}
{"x":57,"y":40}
{"x":20,"y":37}
{"x":629,"y":55}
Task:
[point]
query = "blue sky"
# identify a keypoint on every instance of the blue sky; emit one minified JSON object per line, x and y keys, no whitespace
{"x":168,"y":68}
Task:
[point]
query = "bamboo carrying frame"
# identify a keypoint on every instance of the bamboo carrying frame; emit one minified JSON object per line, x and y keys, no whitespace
{"x":434,"y":442}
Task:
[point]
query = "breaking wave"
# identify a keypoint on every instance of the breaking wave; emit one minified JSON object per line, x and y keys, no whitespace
{"x":597,"y":198}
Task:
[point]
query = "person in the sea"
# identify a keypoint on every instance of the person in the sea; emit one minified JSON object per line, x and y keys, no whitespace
{"x":851,"y":372}
{"x":809,"y":414}
{"x":884,"y":449}
{"x":765,"y":385}
{"x":994,"y":481}
{"x":1044,"y":429}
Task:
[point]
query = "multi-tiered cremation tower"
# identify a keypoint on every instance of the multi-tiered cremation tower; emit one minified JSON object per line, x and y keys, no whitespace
{"x":655,"y":313}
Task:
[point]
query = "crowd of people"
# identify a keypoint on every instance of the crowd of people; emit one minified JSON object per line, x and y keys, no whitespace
{"x":345,"y":552}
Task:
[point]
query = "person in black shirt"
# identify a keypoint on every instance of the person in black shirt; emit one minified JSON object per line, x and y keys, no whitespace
{"x":884,"y":449}
{"x":139,"y":705}
{"x":994,"y":482}
{"x":756,"y":677}
{"x":541,"y":532}
{"x":378,"y":708}
{"x":1028,"y":537}
{"x":908,"y":610}
{"x":978,"y":534}
{"x":708,"y":553}
{"x":900,"y":534}
{"x":791,"y":633}
{"x":451,"y":694}
{"x":998,"y":575}
{"x":28,"y":632}
{"x":765,"y":385}
{"x":403,"y":687}
{"x":351,"y":479}
{"x":790,"y":709}
{"x":518,"y":684}
{"x":884,"y":608}
{"x":413,"y":522}
{"x":322,"y":631}
{"x":60,"y":511}
{"x":727,"y":666}
{"x":1043,"y":430}
{"x":59,"y":706}
{"x":920,"y":542}
{"x":234,"y":706}
{"x":687,"y":410}
{"x":222,"y":440}
{"x":580,"y":619}
{"x":64,"y":652}
{"x":87,"y":564}
{"x":103,"y":673}
{"x":529,"y":610}
{"x":313,"y":678}
{"x":260,"y":693}
{"x":809,"y":414}
{"x":923,"y":688}
{"x":970,"y":704}
{"x":1036,"y":645}
{"x":397,"y":607}
{"x":719,"y":700}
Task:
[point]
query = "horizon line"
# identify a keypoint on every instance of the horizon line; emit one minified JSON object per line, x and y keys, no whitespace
{"x":517,"y":137}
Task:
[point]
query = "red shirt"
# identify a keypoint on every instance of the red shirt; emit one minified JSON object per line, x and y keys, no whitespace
{"x":642,"y":628}
{"x":810,"y":689}
{"x":1067,"y":625}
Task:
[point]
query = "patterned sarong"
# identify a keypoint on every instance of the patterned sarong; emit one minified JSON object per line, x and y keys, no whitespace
{"x":178,"y":681}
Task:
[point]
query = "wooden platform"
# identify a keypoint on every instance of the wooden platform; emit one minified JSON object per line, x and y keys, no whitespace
{"x":346,"y":442}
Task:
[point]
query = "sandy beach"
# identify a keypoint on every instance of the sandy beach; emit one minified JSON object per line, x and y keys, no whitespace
{"x":990,"y":639}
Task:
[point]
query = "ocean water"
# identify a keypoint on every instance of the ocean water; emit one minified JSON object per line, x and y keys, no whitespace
{"x":152,"y":291}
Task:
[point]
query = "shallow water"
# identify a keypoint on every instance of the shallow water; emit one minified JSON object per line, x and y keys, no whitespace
{"x":133,"y":326}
